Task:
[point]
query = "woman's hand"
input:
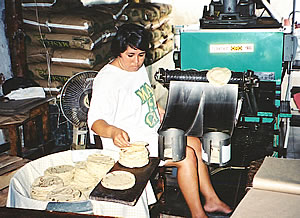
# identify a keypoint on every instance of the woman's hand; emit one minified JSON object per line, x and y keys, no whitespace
{"x":120,"y":137}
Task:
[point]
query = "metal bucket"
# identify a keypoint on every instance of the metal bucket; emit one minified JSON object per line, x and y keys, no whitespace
{"x":216,"y":148}
{"x":229,"y":6}
{"x":172,"y":144}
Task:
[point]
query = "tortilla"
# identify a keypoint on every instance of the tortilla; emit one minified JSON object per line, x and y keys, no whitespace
{"x":118,"y":180}
{"x":218,"y":76}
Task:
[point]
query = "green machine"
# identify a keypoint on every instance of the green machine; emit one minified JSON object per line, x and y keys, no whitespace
{"x":258,"y":50}
{"x":255,"y":57}
{"x":254,"y":49}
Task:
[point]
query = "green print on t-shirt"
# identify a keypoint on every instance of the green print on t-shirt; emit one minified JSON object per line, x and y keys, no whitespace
{"x":145,"y":93}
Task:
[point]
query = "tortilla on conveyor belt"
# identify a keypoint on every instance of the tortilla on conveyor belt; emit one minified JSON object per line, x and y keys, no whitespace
{"x":136,"y":155}
{"x":118,"y":180}
{"x":218,"y":76}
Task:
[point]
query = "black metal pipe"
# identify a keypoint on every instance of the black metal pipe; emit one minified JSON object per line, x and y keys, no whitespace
{"x":164,"y":76}
{"x":293,"y":19}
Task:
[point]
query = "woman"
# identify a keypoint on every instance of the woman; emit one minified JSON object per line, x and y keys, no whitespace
{"x":123,"y":109}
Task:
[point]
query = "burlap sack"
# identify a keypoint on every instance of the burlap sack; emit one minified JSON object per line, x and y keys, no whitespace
{"x":115,"y":10}
{"x":167,"y":46}
{"x":50,"y":5}
{"x":162,"y":32}
{"x":155,"y":35}
{"x":147,"y":12}
{"x":154,"y":55}
{"x":151,"y":13}
{"x":58,"y":73}
{"x":82,"y":58}
{"x":70,"y":40}
{"x":157,"y":43}
{"x":166,"y":29}
{"x":157,"y":53}
{"x":45,"y":84}
{"x":131,"y":14}
{"x":38,"y":53}
{"x":80,"y":22}
{"x":164,"y":9}
{"x":151,"y":25}
{"x":96,"y":2}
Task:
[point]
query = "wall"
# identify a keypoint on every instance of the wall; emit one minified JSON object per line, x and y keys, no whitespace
{"x":5,"y":66}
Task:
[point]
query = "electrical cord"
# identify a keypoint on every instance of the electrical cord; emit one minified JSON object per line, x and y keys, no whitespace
{"x":48,"y":60}
{"x":227,"y":168}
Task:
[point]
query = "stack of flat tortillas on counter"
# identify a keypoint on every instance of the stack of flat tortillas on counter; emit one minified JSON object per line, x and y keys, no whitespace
{"x":99,"y":164}
{"x":71,"y":183}
{"x":218,"y":76}
{"x":134,"y":156}
{"x":65,"y":172}
{"x":66,"y":194}
{"x":43,"y":185}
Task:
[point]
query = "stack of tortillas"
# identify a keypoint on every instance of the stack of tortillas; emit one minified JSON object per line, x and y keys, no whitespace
{"x":99,"y":164}
{"x":218,"y":76}
{"x":65,"y":194}
{"x":82,"y":176}
{"x":136,"y":155}
{"x":71,"y":183}
{"x":43,"y":185}
{"x":65,"y":172}
{"x":83,"y":180}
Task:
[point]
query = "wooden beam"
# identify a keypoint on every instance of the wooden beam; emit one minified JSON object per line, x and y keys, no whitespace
{"x":15,"y":36}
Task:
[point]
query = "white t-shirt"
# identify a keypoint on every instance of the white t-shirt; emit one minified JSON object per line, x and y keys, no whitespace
{"x":125,"y":100}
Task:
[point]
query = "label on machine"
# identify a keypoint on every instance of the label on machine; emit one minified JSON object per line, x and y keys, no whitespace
{"x":231,"y":48}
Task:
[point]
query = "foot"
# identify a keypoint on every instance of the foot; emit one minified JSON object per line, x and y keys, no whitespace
{"x":218,"y":206}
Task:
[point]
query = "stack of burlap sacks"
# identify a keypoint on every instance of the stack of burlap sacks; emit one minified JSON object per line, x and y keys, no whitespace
{"x":74,"y":40}
{"x":63,"y":37}
{"x":156,"y":18}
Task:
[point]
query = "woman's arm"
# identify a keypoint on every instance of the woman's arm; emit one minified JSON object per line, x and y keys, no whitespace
{"x":161,"y":112}
{"x":103,"y":129}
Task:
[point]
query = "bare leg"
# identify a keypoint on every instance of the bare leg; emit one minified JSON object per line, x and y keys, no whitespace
{"x":187,"y":176}
{"x":212,"y":201}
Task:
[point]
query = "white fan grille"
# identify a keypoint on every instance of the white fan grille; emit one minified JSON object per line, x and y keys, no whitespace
{"x":75,"y":97}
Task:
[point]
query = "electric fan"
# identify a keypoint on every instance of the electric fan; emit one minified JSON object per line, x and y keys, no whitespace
{"x":75,"y":101}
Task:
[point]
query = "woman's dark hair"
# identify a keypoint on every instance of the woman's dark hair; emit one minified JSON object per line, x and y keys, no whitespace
{"x":132,"y":35}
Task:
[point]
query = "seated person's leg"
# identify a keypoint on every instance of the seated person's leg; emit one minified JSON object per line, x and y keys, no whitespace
{"x":187,"y":177}
{"x":212,"y":201}
{"x":192,"y":172}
